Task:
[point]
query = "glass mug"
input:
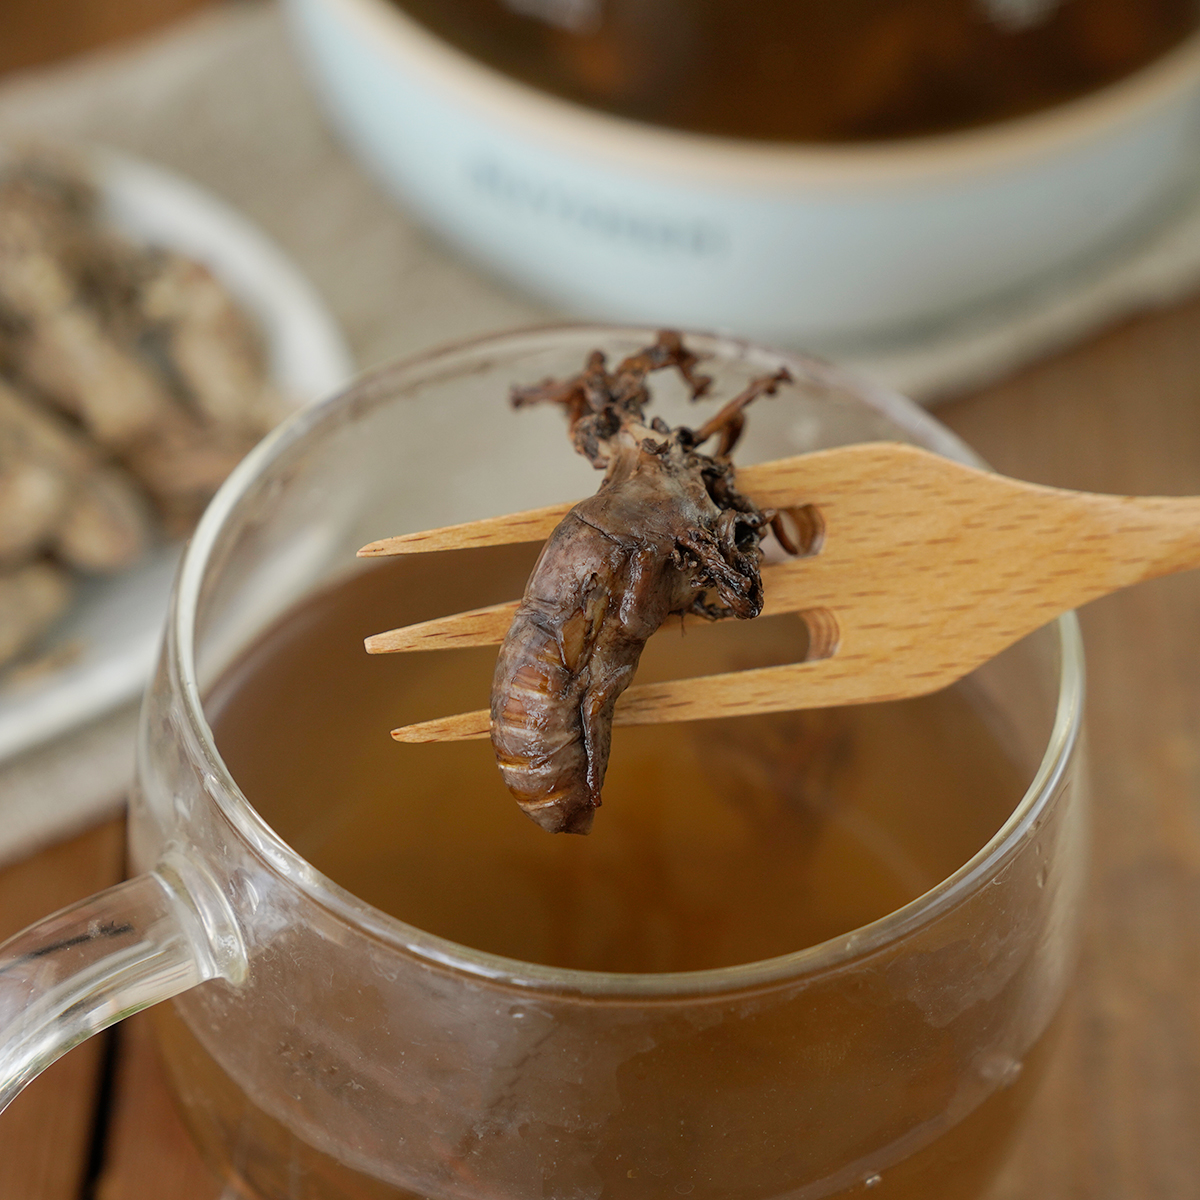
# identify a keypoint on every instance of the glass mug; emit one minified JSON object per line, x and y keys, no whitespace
{"x":322,"y":1048}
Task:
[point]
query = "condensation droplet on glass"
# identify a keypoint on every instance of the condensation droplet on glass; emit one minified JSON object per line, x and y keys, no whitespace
{"x":683,"y":1189}
{"x":873,"y":1181}
{"x":1042,"y":876}
{"x":516,"y":1013}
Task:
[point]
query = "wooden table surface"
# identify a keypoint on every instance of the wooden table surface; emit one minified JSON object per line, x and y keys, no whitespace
{"x":33,"y":32}
{"x":1119,"y":1116}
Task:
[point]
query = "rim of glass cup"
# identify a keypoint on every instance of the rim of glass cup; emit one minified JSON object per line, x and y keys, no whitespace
{"x":806,"y":963}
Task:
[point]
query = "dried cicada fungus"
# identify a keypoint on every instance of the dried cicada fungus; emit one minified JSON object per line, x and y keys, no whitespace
{"x":667,"y":532}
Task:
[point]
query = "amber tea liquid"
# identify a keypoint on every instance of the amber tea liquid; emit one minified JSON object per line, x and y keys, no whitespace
{"x":718,"y":842}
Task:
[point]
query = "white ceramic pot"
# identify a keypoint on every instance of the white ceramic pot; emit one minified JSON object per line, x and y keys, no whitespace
{"x":815,"y":244}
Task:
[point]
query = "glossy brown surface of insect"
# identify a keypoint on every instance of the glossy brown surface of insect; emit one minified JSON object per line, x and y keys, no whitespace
{"x":667,"y":532}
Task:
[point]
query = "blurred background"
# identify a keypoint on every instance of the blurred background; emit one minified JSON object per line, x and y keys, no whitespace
{"x":938,"y":189}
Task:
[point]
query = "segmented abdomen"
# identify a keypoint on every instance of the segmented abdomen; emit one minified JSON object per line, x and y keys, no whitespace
{"x":569,"y":654}
{"x":537,"y":731}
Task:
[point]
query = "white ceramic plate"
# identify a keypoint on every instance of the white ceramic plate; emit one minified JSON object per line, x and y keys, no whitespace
{"x":116,"y":623}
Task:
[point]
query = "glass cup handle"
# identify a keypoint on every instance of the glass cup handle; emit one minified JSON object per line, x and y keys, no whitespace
{"x":105,"y":958}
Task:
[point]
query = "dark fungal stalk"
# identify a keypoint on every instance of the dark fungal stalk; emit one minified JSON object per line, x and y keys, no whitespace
{"x":666,"y":533}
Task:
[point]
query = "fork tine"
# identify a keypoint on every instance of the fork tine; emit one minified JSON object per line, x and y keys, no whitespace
{"x":735,"y":693}
{"x":770,"y":485}
{"x":533,"y":525}
{"x":464,"y":727}
{"x":487,"y":626}
{"x":931,"y":569}
{"x":478,"y":627}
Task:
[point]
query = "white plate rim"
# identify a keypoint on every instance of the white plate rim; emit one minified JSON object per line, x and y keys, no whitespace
{"x":119,"y":620}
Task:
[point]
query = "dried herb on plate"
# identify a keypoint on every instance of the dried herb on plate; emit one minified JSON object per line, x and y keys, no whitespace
{"x":130,"y":385}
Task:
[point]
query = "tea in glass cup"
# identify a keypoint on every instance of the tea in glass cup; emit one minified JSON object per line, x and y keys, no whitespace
{"x":803,"y":955}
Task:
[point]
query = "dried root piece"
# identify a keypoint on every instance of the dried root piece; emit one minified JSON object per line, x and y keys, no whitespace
{"x":68,"y":358}
{"x":667,"y":532}
{"x":183,"y":463}
{"x":32,"y":598}
{"x":58,"y":494}
{"x":33,"y":499}
{"x":39,"y":463}
{"x":64,"y":350}
{"x":130,"y":384}
{"x":106,"y":526}
{"x":31,"y":432}
{"x":216,"y":351}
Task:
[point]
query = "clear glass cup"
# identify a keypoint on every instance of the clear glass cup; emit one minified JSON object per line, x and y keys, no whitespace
{"x":323,"y":1049}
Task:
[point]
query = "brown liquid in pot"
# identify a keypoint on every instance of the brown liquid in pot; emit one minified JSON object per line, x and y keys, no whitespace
{"x":813,"y":70}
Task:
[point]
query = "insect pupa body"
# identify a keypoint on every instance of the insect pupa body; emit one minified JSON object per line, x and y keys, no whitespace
{"x":650,"y":543}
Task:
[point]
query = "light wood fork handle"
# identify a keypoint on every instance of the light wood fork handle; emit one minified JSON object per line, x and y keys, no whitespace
{"x":929,"y":568}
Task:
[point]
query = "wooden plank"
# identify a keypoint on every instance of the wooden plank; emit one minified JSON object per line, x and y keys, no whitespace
{"x":45,"y":1135}
{"x":1118,"y":1118}
{"x":149,"y":1153}
{"x":40,"y":31}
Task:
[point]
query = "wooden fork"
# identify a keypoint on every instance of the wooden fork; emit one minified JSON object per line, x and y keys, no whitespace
{"x":917,"y":570}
